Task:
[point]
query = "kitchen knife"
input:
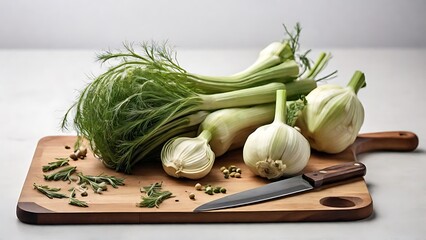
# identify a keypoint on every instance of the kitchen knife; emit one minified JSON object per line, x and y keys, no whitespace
{"x":289,"y":186}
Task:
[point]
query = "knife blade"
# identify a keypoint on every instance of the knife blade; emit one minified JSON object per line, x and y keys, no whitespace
{"x":289,"y":186}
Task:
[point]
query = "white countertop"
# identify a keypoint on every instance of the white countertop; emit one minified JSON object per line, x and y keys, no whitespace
{"x":37,"y":86}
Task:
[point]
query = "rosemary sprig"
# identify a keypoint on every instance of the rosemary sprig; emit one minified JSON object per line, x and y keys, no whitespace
{"x":154,"y":196}
{"x":149,"y":190}
{"x":78,"y":203}
{"x":99,"y":183}
{"x":155,"y":199}
{"x":97,"y":187}
{"x":49,"y":192}
{"x":56,"y":164}
{"x":63,"y":174}
{"x":111,"y":180}
{"x":74,"y":201}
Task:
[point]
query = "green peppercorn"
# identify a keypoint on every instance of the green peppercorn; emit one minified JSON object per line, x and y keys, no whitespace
{"x":226,"y":176}
{"x":226,"y":171}
{"x":232,"y":168}
{"x":192,"y":196}
{"x":238,"y":175}
{"x":198,"y":186}
{"x":223,"y":190}
{"x":238,"y":170}
{"x":232,"y":174}
{"x":209,"y":190}
{"x":222,"y":168}
{"x":216,"y":190}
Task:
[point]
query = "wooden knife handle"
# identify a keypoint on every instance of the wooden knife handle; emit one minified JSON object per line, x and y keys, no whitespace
{"x":386,"y":141}
{"x":335,"y":173}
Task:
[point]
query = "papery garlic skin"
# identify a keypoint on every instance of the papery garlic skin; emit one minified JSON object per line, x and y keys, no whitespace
{"x":276,"y":150}
{"x":333,"y":116}
{"x":187,"y":157}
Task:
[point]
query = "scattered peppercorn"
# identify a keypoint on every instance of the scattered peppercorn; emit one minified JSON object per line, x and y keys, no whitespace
{"x":231,"y":171}
{"x":216,"y":190}
{"x":209,"y":190}
{"x":73,"y":156}
{"x":198,"y":186}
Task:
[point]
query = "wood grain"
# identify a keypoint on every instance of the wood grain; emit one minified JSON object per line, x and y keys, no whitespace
{"x":337,"y":202}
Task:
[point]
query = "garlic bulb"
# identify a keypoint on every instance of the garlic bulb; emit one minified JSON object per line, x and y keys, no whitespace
{"x":333,"y":116}
{"x":188,"y":157}
{"x":276,"y":149}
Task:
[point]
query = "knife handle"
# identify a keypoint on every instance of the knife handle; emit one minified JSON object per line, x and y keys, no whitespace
{"x":335,"y":173}
{"x":386,"y":141}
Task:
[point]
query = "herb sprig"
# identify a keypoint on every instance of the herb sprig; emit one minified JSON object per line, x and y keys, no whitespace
{"x":56,"y":164}
{"x":63,"y":174}
{"x":49,"y":192}
{"x":99,"y":183}
{"x":74,"y":201}
{"x":111,"y":180}
{"x":154,"y":195}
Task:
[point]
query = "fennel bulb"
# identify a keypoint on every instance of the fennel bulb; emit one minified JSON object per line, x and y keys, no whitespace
{"x":128,"y":112}
{"x":193,"y":157}
{"x":277,"y":149}
{"x":188,"y":157}
{"x":333,"y":116}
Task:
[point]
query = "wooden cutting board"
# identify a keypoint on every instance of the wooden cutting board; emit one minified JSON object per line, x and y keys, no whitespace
{"x":349,"y":200}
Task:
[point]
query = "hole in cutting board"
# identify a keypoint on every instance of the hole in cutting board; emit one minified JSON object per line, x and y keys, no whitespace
{"x":340,"y":202}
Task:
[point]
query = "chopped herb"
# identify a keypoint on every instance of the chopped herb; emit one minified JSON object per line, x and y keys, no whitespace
{"x":74,"y":201}
{"x":78,"y":203}
{"x":63,"y":174}
{"x":154,"y":196}
{"x":49,"y":192}
{"x":111,"y":180}
{"x":99,"y":183}
{"x":149,"y":190}
{"x":56,"y":164}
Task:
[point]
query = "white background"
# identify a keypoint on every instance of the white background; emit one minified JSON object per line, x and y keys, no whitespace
{"x":233,"y":24}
